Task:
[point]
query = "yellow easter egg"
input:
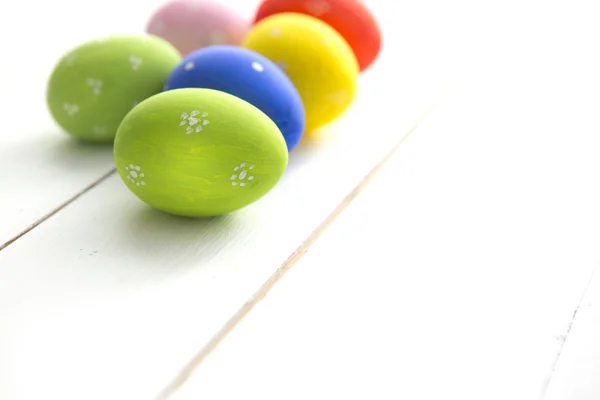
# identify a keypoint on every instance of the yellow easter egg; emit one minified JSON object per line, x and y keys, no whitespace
{"x":316,"y":58}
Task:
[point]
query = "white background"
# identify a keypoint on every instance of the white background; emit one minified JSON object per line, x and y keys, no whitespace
{"x":459,"y":271}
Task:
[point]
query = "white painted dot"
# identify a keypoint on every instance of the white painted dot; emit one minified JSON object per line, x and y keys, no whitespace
{"x":236,"y":168}
{"x":142,"y":183}
{"x":233,"y":183}
{"x":133,"y":174}
{"x":142,"y":175}
{"x":204,"y":114}
{"x":71,"y":59}
{"x":135,"y":62}
{"x":242,"y":184}
{"x":250,"y":177}
{"x":233,"y":177}
{"x":243,"y":174}
{"x":251,"y":167}
{"x":131,"y":166}
{"x":189,"y":66}
{"x":70,"y":109}
{"x":205,"y":122}
{"x":137,"y":184}
{"x":258,"y":67}
{"x":243,"y":164}
{"x":138,"y":167}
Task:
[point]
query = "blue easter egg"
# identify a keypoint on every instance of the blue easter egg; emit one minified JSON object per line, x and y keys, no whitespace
{"x":251,"y":77}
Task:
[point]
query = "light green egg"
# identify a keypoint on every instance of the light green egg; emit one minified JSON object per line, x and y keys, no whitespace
{"x":96,"y":84}
{"x":199,"y":152}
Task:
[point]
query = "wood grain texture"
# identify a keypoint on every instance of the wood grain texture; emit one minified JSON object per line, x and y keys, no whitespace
{"x":575,"y":376}
{"x":454,"y":275}
{"x":110,"y":299}
{"x":148,"y":290}
{"x":182,"y":377}
{"x":41,"y":167}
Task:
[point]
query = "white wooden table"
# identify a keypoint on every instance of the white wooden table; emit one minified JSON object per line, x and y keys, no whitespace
{"x":438,"y":241}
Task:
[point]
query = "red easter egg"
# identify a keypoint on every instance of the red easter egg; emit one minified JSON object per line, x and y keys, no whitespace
{"x":350,"y":18}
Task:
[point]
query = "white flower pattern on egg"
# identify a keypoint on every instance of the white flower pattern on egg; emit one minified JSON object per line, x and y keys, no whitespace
{"x":136,"y":62}
{"x":194,"y":121}
{"x":70,"y":109}
{"x":70,"y":60}
{"x":241,"y":174}
{"x":96,"y":85}
{"x":134,"y":175}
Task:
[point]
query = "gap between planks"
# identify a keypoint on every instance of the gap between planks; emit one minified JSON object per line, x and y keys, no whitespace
{"x":566,"y":335}
{"x":185,"y":373}
{"x":57,"y":209}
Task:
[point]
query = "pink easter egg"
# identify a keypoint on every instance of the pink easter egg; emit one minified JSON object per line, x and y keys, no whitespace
{"x":192,"y":24}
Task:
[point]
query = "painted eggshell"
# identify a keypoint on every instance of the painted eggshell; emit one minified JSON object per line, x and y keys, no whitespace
{"x":95,"y":85}
{"x":249,"y":76}
{"x":199,"y":152}
{"x":315,"y":57}
{"x":193,"y":24}
{"x":351,"y":18}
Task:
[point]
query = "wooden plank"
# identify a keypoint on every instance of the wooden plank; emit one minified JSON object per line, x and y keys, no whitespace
{"x":576,"y":374}
{"x":142,"y":286}
{"x":457,"y":271}
{"x":41,"y":167}
{"x":109,"y":299}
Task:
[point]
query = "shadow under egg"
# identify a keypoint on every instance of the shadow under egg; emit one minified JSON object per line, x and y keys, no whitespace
{"x":150,"y":226}
{"x":308,"y":147}
{"x":70,"y":152}
{"x":173,"y":245}
{"x":59,"y":150}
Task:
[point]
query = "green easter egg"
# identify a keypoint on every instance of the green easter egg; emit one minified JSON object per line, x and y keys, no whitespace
{"x":199,"y":152}
{"x":95,"y":85}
